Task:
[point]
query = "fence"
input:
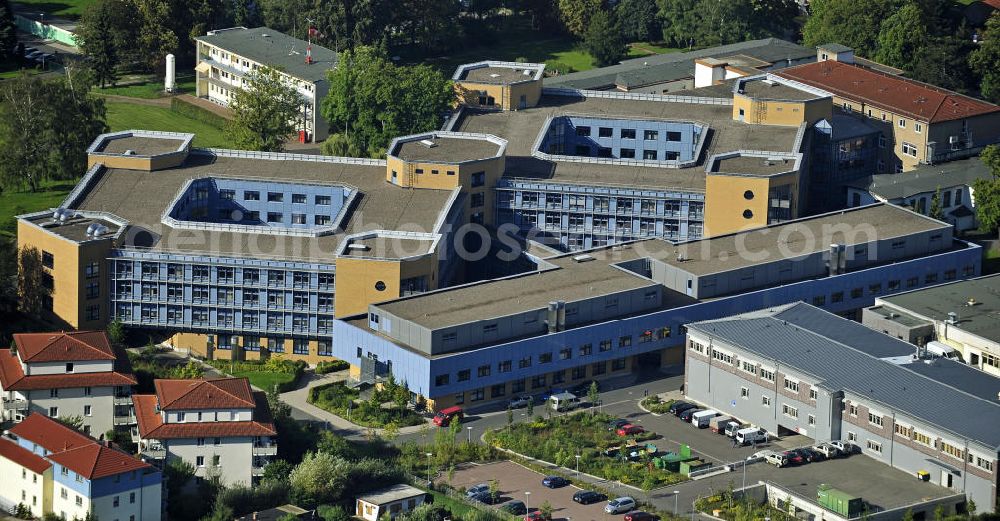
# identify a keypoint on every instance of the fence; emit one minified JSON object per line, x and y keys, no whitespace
{"x":39,"y":28}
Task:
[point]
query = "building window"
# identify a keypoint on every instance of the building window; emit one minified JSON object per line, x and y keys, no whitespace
{"x":853,"y":410}
{"x":875,"y":446}
{"x":875,"y":419}
{"x":909,"y":149}
{"x":626,"y":153}
{"x":498,"y":390}
{"x":951,"y":450}
{"x":92,"y":270}
{"x":618,"y":364}
{"x":791,"y":385}
{"x":484,"y":370}
{"x":464,"y":375}
{"x":745,"y":393}
{"x":767,"y":374}
{"x":749,"y":367}
{"x":813,"y":394}
{"x":538,"y":381}
{"x":627,"y":133}
{"x":902,"y":123}
{"x":604,"y":131}
{"x":275,"y":197}
{"x":811,"y":419}
{"x":765,"y":401}
{"x":586,"y":349}
{"x":504,"y":367}
{"x":323,"y":200}
{"x":649,"y":155}
{"x":47,"y":259}
{"x":599,"y":368}
{"x":544,"y":358}
{"x":199,"y":461}
{"x":524,"y":362}
{"x":517,"y":386}
{"x":87,"y":410}
{"x":625,"y":341}
{"x":300,"y":346}
{"x":789,"y":411}
{"x":583,"y":131}
{"x":605,"y":345}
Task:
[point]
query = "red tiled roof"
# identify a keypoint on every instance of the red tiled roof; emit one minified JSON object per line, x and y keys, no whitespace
{"x":64,"y":347}
{"x":75,"y":450}
{"x":151,"y":424}
{"x":12,"y":377}
{"x":893,"y":93}
{"x":223,"y":393}
{"x":95,"y":461}
{"x":995,"y":4}
{"x":23,"y":456}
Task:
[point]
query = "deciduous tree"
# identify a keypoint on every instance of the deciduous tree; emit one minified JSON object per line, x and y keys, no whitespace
{"x":988,"y":191}
{"x":32,"y":289}
{"x":8,"y":32}
{"x":985,"y":60}
{"x":638,"y":20}
{"x":901,"y":36}
{"x":576,"y":14}
{"x":265,"y":112}
{"x":854,"y":23}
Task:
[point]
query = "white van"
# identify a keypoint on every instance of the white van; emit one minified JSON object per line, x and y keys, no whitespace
{"x":563,"y":402}
{"x":751,"y":435}
{"x":943,"y":350}
{"x":700,"y":419}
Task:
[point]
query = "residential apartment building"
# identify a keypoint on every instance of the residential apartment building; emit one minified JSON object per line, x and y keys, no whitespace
{"x":51,"y":468}
{"x":799,"y":369}
{"x":608,"y":311}
{"x":921,"y":123}
{"x":220,"y":426}
{"x":951,"y":182}
{"x":63,"y":375}
{"x":962,"y":315}
{"x":226,"y":57}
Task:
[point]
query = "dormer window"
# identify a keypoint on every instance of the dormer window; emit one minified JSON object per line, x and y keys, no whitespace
{"x":180,"y":417}
{"x":69,"y":367}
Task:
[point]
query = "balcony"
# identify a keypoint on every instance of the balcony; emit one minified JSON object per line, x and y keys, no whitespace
{"x":265,"y":449}
{"x":15,"y":405}
{"x":123,"y":399}
{"x":155,"y":453}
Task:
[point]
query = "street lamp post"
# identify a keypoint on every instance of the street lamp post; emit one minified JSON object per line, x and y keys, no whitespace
{"x":527,"y":494}
{"x":676,"y":494}
{"x":578,"y":465}
{"x":692,"y":507}
{"x":470,"y":434}
{"x":429,"y":467}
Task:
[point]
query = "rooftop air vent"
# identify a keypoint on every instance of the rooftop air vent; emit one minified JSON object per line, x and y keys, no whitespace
{"x":354,"y":246}
{"x":952,"y":318}
{"x":128,"y":152}
{"x":768,"y":82}
{"x":526,"y":72}
{"x":583,"y":258}
{"x":494,"y":75}
{"x":971,"y":302}
{"x":428,"y":143}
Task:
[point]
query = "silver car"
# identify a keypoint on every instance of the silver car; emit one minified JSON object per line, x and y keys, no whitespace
{"x":475,"y":490}
{"x":620,"y":505}
{"x":520,"y":401}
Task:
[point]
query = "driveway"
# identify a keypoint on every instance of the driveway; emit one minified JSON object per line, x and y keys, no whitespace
{"x":515,"y":481}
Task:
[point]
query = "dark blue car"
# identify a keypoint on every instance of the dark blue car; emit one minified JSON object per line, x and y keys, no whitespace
{"x":555,"y":481}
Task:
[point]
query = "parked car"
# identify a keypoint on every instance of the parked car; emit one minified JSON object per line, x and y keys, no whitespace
{"x":537,"y":515}
{"x":793,"y":457}
{"x":619,"y":505}
{"x":444,"y":417}
{"x":639,"y":516}
{"x":751,"y":435}
{"x":628,"y":429}
{"x":733,"y":428}
{"x":616,"y":424}
{"x":477,"y":489}
{"x":760,"y":454}
{"x":827,"y":450}
{"x":517,"y":508}
{"x":678,"y":407}
{"x":688,"y":413}
{"x":586,"y":497}
{"x":555,"y":481}
{"x":811,"y":454}
{"x":845,"y":447}
{"x":486,"y":498}
{"x":777,"y":459}
{"x":520,"y":401}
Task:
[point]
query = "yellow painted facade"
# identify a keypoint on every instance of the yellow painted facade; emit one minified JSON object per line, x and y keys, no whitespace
{"x":70,"y":261}
{"x":444,"y":176}
{"x":358,"y":281}
{"x":515,"y":96}
{"x":147,"y":163}
{"x":734,"y":202}
{"x":780,"y":112}
{"x":197,"y":345}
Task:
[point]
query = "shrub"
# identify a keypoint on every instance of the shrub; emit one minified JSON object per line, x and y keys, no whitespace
{"x":331,"y":366}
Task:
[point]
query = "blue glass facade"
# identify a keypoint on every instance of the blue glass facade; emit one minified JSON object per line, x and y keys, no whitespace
{"x":612,"y":341}
{"x":653,"y":141}
{"x":583,"y":217}
{"x":224,"y":296}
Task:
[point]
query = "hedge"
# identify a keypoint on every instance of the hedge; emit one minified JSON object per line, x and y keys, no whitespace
{"x":331,"y":366}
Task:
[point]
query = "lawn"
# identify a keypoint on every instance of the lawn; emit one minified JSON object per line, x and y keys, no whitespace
{"x":125,"y":116}
{"x":266,"y":380}
{"x":267,"y":374}
{"x":148,"y":90}
{"x":49,"y":195}
{"x":71,"y":9}
{"x":558,"y":440}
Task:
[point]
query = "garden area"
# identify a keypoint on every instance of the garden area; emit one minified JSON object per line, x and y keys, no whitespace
{"x":655,"y":405}
{"x":387,"y":405}
{"x":148,"y":366}
{"x":275,"y":373}
{"x":726,"y":505}
{"x":126,"y":116}
{"x":602,"y":452}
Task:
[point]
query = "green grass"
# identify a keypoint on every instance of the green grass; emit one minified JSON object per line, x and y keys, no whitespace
{"x":639,"y":49}
{"x":265,"y":380}
{"x":72,"y":9}
{"x":148,"y":90}
{"x":49,"y":195}
{"x":457,"y":508}
{"x":124,"y":116}
{"x":991,"y":261}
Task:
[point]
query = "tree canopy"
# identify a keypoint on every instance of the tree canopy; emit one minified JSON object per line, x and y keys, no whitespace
{"x":46,"y":126}
{"x":854,"y":23}
{"x":900,"y":36}
{"x":704,"y":23}
{"x":372,"y":101}
{"x":988,"y":191}
{"x":8,"y":32}
{"x":603,"y":39}
{"x":985,"y":60}
{"x":265,"y":112}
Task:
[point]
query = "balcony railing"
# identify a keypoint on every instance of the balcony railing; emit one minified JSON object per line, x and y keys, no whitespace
{"x":154,"y":453}
{"x":124,"y":420}
{"x":265,"y":450}
{"x":123,"y":399}
{"x":15,"y":405}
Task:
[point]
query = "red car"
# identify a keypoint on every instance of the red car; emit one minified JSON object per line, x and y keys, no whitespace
{"x":536,"y":516}
{"x":794,"y":457}
{"x":639,"y":516}
{"x":629,"y":429}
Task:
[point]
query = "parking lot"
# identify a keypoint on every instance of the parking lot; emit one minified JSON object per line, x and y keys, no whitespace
{"x":515,"y":480}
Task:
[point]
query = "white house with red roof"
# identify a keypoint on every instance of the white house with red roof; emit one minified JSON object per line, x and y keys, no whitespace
{"x":220,"y":426}
{"x":50,"y":467}
{"x":67,"y":374}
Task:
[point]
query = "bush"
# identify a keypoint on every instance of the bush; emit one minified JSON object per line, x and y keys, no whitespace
{"x":274,"y":364}
{"x":331,"y":366}
{"x":654,"y":404}
{"x":343,"y":401}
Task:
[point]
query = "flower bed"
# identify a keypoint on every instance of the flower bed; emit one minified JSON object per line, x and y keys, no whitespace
{"x":275,"y":373}
{"x":655,"y":404}
{"x":559,"y":440}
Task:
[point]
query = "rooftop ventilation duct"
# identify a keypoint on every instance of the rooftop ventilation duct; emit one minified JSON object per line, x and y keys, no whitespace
{"x":952,"y":318}
{"x":354,"y":246}
{"x":583,"y":258}
{"x":428,"y":143}
{"x":128,"y":152}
